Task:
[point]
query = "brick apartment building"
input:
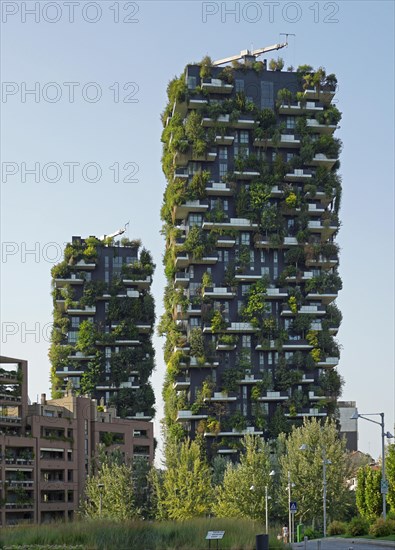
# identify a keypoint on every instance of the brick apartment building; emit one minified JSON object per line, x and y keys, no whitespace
{"x":47,"y":448}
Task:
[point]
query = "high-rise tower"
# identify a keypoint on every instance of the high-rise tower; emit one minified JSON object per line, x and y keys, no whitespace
{"x":250,"y":213}
{"x":103,"y":322}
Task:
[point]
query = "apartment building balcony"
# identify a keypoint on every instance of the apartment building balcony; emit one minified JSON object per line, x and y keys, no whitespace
{"x":192,"y":310}
{"x":206,"y":260}
{"x":323,"y":261}
{"x":126,"y":342}
{"x":73,"y":280}
{"x":9,"y":399}
{"x":220,"y":397}
{"x":180,"y":173}
{"x":314,"y":397}
{"x":225,"y":241}
{"x":298,"y":175}
{"x":299,"y":108}
{"x":217,"y":86}
{"x":144,"y":328}
{"x":10,"y":377}
{"x":18,"y":506}
{"x":197,"y":103}
{"x":10,"y":419}
{"x":276,"y":293}
{"x":208,"y":122}
{"x":139,"y":282}
{"x":195,"y":363}
{"x":324,"y":94}
{"x":182,"y":383}
{"x":61,"y":305}
{"x":80,"y":356}
{"x":329,"y":362}
{"x":301,"y":276}
{"x":222,"y":346}
{"x":317,"y":226}
{"x":186,"y":416}
{"x":224,"y":451}
{"x":180,"y":108}
{"x":244,"y":123}
{"x":181,"y":279}
{"x":235,"y":433}
{"x":315,"y":209}
{"x":183,"y":349}
{"x":276,"y":192}
{"x":182,"y":260}
{"x":182,"y":159}
{"x":241,"y":328}
{"x":248,"y":278}
{"x":250,"y":379}
{"x":326,"y":297}
{"x":82,"y":264}
{"x":287,"y":141}
{"x":140,"y":416}
{"x":321,"y":160}
{"x":274,"y":396}
{"x":295,"y":345}
{"x":306,"y":379}
{"x":314,"y":125}
{"x":86,"y":310}
{"x":219,"y":293}
{"x":307,"y":413}
{"x":219,"y":189}
{"x":312,"y":310}
{"x":268,"y":345}
{"x":64,"y":373}
{"x":246,"y":174}
{"x":182,"y":210}
{"x":224,"y":140}
{"x":242,"y":224}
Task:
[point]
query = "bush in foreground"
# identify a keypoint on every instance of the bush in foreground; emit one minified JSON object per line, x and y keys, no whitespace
{"x":357,"y":527}
{"x":337,"y":528}
{"x":382,"y":528}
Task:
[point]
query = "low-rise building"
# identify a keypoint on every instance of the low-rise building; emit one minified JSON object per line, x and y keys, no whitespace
{"x":47,"y":449}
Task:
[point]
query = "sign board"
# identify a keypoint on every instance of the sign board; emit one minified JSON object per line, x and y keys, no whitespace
{"x":384,"y":486}
{"x":293,"y":507}
{"x":215,"y":535}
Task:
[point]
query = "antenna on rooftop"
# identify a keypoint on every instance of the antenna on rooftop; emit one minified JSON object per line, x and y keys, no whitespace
{"x":248,"y":55}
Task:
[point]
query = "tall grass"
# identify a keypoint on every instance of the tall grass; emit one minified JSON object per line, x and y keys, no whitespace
{"x":104,"y":535}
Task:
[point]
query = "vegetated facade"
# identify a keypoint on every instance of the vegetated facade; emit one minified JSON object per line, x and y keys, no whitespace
{"x":47,"y":449}
{"x":250,"y":215}
{"x":102,"y":324}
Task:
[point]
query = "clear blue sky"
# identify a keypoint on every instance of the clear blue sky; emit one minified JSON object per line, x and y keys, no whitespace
{"x":352,"y":39}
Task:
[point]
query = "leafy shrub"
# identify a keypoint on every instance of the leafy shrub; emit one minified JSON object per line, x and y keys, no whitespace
{"x":311,"y":533}
{"x":337,"y":528}
{"x":357,"y":526}
{"x":382,"y":527}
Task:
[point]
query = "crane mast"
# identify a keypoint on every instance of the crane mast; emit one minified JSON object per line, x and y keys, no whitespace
{"x":245,"y":54}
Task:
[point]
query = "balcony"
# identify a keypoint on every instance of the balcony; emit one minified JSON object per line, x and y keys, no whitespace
{"x":143,"y":282}
{"x":181,"y":279}
{"x":270,"y":344}
{"x":326,"y":297}
{"x":219,"y":189}
{"x":220,"y":397}
{"x":300,"y":108}
{"x":314,"y":397}
{"x":307,"y":380}
{"x":241,"y":328}
{"x":192,"y":310}
{"x":224,"y":241}
{"x":301,"y":276}
{"x":87,"y":310}
{"x":180,"y":107}
{"x":298,"y":175}
{"x":140,"y":416}
{"x":6,"y":398}
{"x":221,"y":346}
{"x":312,"y":310}
{"x":85,"y":265}
{"x":225,"y":293}
{"x":276,"y":192}
{"x":197,"y":103}
{"x":217,"y":86}
{"x":181,"y":211}
{"x":224,"y":140}
{"x":323,"y":261}
{"x":250,"y":379}
{"x":329,"y":362}
{"x":73,"y":280}
{"x":306,"y":413}
{"x":210,"y":122}
{"x":315,"y":209}
{"x":185,"y":416}
{"x":144,"y":328}
{"x":314,"y":125}
{"x":182,"y":159}
{"x":182,"y":260}
{"x":244,"y":123}
{"x":242,"y":224}
{"x":274,"y":396}
{"x":182,"y":383}
{"x":234,"y":433}
{"x":276,"y":293}
{"x":321,"y":160}
{"x":206,"y":260}
{"x":226,"y":451}
{"x":286,"y":141}
{"x":246,"y":174}
{"x":250,"y":278}
{"x":181,"y":174}
{"x":80,"y":356}
{"x":324,"y":94}
{"x":194,"y":363}
{"x":295,"y":345}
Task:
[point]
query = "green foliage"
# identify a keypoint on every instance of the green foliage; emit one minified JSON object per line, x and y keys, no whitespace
{"x":218,"y":323}
{"x":382,"y":528}
{"x":235,"y":498}
{"x":205,"y":67}
{"x":358,"y":527}
{"x":336,"y":528}
{"x":390,"y":474}
{"x":256,"y":307}
{"x":196,"y":342}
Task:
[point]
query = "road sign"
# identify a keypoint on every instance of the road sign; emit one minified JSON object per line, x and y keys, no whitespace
{"x":215,"y":535}
{"x":293,"y":507}
{"x":384,"y":486}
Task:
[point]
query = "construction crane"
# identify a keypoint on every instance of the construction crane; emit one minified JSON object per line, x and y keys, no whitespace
{"x":248,"y":55}
{"x":115,"y":234}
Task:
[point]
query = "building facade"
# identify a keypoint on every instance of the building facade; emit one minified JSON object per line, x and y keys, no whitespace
{"x":47,"y":449}
{"x":103,"y":322}
{"x":250,"y":215}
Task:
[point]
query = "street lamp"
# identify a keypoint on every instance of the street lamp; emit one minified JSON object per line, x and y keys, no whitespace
{"x":384,"y":434}
{"x":290,"y":515}
{"x":100,"y":486}
{"x":325,"y":462}
{"x":272,"y":473}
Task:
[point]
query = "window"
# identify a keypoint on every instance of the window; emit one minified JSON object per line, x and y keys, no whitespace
{"x":72,"y":337}
{"x":275,"y":272}
{"x":116,"y":266}
{"x":246,"y":341}
{"x":289,"y":156}
{"x":223,"y":153}
{"x":191,"y":272}
{"x":195,"y":219}
{"x":245,"y":239}
{"x":239,"y":85}
{"x":191,"y":82}
{"x":274,"y":155}
{"x":223,"y":169}
{"x":252,"y":260}
{"x":244,"y":136}
{"x":194,"y":322}
{"x":240,"y":305}
{"x":108,"y":352}
{"x":265,"y":271}
{"x":193,"y":287}
{"x":226,"y":257}
{"x":275,"y":256}
{"x":75,"y":322}
{"x":263,"y":259}
{"x":290,"y":122}
{"x":270,"y":358}
{"x":226,"y":205}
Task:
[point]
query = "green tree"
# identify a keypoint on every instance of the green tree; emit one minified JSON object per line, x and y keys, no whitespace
{"x":373,"y":498}
{"x":360,"y":492}
{"x":184,"y":491}
{"x":305,"y":469}
{"x":390,"y":474}
{"x":242,"y":493}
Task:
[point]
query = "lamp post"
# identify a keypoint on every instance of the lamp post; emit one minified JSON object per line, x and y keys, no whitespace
{"x":384,"y":434}
{"x":272,"y":473}
{"x":290,"y":515}
{"x":325,"y":462}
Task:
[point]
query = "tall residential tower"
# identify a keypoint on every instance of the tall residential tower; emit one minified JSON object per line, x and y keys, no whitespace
{"x":103,"y":322}
{"x":250,"y":215}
